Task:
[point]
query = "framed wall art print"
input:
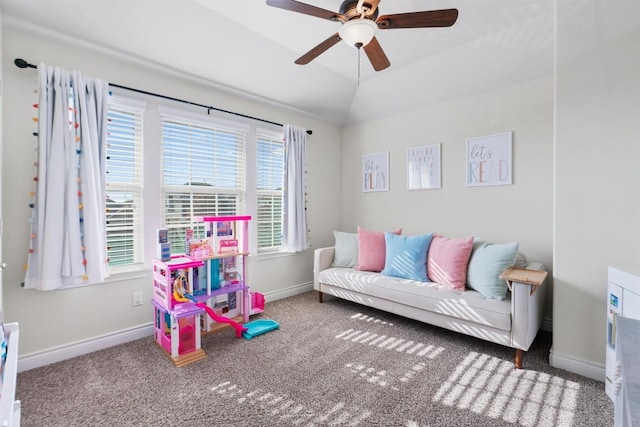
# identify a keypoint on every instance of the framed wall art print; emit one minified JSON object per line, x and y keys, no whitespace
{"x":489,"y":160}
{"x":375,"y":172}
{"x":423,"y":167}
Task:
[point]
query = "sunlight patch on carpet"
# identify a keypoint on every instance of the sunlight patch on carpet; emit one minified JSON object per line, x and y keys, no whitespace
{"x":381,"y":377}
{"x":371,"y":375}
{"x":366,"y":318}
{"x":284,"y":408}
{"x":412,"y":423}
{"x":492,"y":387}
{"x":391,"y":343}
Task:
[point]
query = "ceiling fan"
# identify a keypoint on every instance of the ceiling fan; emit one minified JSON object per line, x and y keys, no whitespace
{"x":360,"y":21}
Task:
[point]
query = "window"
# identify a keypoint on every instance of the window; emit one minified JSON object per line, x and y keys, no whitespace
{"x":203,"y":173}
{"x":270,"y":178}
{"x":124,"y":182}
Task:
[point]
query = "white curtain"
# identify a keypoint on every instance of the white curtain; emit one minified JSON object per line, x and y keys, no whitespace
{"x":294,"y":221}
{"x":68,"y":237}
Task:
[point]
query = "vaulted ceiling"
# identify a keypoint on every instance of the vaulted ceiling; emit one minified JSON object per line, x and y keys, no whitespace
{"x":250,"y":47}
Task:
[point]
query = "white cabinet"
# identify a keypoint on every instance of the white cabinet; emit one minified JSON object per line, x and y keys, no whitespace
{"x":9,"y":407}
{"x":627,"y":379}
{"x":623,"y":291}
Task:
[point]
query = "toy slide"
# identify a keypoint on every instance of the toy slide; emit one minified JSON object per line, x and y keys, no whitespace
{"x":221,"y":319}
{"x":258,"y":327}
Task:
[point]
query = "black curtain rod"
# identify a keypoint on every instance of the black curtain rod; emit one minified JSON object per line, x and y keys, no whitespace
{"x":21,"y":63}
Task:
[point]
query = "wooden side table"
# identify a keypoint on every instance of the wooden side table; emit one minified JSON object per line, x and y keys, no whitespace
{"x":535,"y":278}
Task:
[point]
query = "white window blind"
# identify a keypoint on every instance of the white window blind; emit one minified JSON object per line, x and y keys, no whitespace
{"x":203,"y":173}
{"x":124,"y":183}
{"x":270,"y":173}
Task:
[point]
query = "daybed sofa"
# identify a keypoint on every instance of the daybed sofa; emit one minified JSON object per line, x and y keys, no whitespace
{"x":513,"y":321}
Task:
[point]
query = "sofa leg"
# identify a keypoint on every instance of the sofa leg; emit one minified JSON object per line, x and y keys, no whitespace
{"x":519,"y":356}
{"x":320,"y":297}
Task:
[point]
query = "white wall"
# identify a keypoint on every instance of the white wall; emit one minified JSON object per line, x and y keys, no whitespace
{"x":597,"y":170}
{"x":521,"y":212}
{"x":53,"y":320}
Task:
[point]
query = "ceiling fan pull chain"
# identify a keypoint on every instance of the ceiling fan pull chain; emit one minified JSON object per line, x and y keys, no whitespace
{"x":359,"y":54}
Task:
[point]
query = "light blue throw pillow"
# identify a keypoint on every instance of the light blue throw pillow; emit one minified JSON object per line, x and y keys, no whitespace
{"x":406,"y":256}
{"x":345,"y":253}
{"x":487,"y":262}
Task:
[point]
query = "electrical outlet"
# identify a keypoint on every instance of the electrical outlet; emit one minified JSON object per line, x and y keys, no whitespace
{"x":137,"y":298}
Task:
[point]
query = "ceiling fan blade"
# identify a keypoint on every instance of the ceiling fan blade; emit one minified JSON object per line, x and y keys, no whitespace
{"x":307,"y":9}
{"x":376,"y":55}
{"x":430,"y":18}
{"x":316,"y":51}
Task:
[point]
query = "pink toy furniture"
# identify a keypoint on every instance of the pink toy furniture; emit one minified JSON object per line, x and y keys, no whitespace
{"x":257,"y":303}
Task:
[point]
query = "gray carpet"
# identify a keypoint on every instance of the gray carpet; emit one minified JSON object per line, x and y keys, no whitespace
{"x":336,"y":363}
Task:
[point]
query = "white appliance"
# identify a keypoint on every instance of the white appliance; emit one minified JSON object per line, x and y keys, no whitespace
{"x":623,"y":290}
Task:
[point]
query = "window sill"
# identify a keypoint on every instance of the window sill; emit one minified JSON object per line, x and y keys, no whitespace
{"x":138,"y":271}
{"x":264,"y":256}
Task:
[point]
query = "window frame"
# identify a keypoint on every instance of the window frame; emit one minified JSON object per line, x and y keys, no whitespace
{"x":215,"y":125}
{"x":269,"y":136}
{"x":138,"y":109}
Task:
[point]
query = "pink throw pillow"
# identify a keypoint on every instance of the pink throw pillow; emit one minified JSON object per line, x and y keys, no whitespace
{"x":447,"y":261}
{"x":372,"y":250}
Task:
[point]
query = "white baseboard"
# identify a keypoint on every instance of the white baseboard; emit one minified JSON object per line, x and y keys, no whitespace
{"x":577,"y":366}
{"x":78,"y":348}
{"x":288,"y":292}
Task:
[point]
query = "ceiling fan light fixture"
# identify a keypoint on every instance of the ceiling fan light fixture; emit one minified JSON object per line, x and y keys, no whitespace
{"x":358,"y":32}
